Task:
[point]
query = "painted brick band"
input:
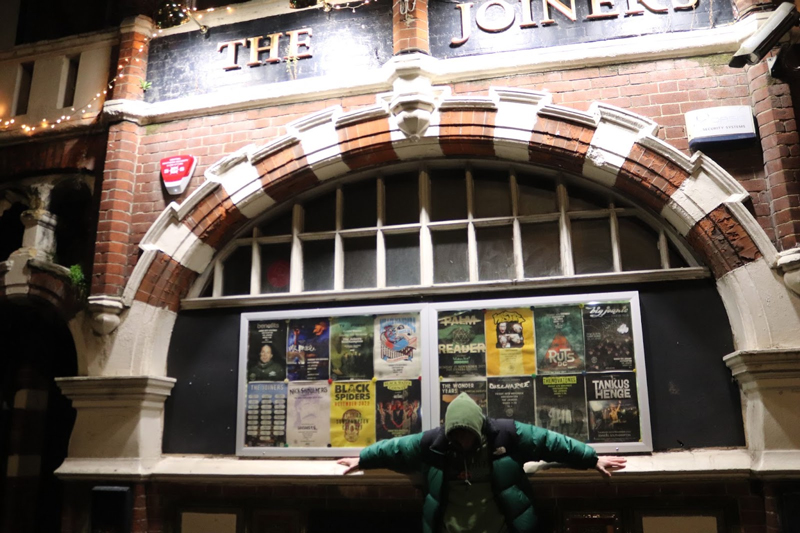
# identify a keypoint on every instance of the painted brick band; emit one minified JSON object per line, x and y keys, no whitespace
{"x":366,"y":144}
{"x":559,"y":144}
{"x":467,"y":132}
{"x":214,"y":218}
{"x":165,"y":283}
{"x":723,"y":242}
{"x":649,"y":178}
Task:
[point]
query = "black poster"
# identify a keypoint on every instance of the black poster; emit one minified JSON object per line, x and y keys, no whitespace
{"x":462,"y":344}
{"x":609,"y":336}
{"x":561,"y":405}
{"x":397,"y":408}
{"x":266,"y":351}
{"x":337,"y":42}
{"x":449,"y":391}
{"x":613,"y":407}
{"x":511,"y":397}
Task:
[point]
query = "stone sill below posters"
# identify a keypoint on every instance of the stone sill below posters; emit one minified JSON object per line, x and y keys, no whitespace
{"x":662,"y":466}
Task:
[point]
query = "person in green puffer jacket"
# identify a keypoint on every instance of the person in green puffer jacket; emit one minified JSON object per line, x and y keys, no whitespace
{"x":473,"y":468}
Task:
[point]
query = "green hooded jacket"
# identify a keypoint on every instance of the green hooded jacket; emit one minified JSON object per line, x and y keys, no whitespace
{"x":511,"y":445}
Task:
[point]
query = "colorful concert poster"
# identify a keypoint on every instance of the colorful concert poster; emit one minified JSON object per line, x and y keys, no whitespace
{"x":307,"y":349}
{"x":352,"y":414}
{"x":398,"y":408}
{"x":266,"y":355}
{"x":510,"y":348}
{"x":511,"y":397}
{"x":561,"y":405}
{"x":351,"y":347}
{"x":462,"y":344}
{"x":559,"y":339}
{"x":309,"y":415}
{"x":265,"y":414}
{"x":449,"y":391}
{"x":397,"y":354}
{"x":609,"y":336}
{"x":613,"y":407}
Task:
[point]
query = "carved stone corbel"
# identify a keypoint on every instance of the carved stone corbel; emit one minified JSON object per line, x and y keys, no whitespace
{"x":104,"y":311}
{"x":789,"y":264}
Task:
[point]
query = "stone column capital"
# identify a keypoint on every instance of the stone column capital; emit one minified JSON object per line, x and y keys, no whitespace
{"x":761,"y":370}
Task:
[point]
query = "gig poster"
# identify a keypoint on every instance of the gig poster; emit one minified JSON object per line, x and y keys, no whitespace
{"x":352,"y":414}
{"x":309,"y":415}
{"x":613,"y":407}
{"x":462,"y":344}
{"x":398,"y":408}
{"x":559,"y":339}
{"x":266,"y":351}
{"x":511,"y":397}
{"x":265,"y":415}
{"x":307,"y":349}
{"x":561,"y":405}
{"x":609,"y":336}
{"x":397,"y":347}
{"x":510,"y":348}
{"x":351,"y":347}
{"x":449,"y":391}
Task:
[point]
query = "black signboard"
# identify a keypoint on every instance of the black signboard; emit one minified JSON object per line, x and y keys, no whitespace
{"x":337,"y":42}
{"x":487,"y":26}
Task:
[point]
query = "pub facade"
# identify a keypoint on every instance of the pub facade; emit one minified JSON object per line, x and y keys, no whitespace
{"x":242,"y":241}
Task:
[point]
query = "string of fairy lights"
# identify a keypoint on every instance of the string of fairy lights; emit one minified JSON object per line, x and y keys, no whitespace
{"x":176,"y":14}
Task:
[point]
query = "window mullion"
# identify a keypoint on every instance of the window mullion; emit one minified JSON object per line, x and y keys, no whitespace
{"x":567,"y":265}
{"x":338,"y":250}
{"x":219,"y":271}
{"x":472,"y":241}
{"x":425,"y":241}
{"x":615,"y":252}
{"x":517,"y":230}
{"x":663,"y":249}
{"x":255,"y":266}
{"x":380,"y":250}
{"x":296,"y":272}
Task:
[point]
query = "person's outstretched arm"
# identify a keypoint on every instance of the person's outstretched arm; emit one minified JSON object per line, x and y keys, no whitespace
{"x":537,"y":444}
{"x":401,"y":454}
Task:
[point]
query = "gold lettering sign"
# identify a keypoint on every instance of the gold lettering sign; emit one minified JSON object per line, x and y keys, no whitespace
{"x":502,"y":21}
{"x":268,"y":45}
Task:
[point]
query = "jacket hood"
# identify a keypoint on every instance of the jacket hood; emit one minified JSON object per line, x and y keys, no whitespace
{"x":463,"y":412}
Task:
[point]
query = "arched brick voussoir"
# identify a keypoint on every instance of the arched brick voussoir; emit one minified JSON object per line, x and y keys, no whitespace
{"x":165,"y":282}
{"x":723,"y":242}
{"x":466,"y":126}
{"x":649,"y":178}
{"x":561,"y":138}
{"x":365,"y":138}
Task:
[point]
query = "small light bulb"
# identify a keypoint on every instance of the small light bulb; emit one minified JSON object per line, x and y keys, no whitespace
{"x":58,"y":121}
{"x":52,"y":126}
{"x":11,"y":121}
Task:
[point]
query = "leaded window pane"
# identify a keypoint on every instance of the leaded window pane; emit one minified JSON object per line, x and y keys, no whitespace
{"x":541,"y":253}
{"x":402,"y":259}
{"x":236,"y":277}
{"x":450,"y":256}
{"x":638,"y":245}
{"x":591,"y":246}
{"x":448,"y":195}
{"x":401,"y":193}
{"x":318,"y":265}
{"x":275,"y":268}
{"x":492,"y":196}
{"x":495,"y":252}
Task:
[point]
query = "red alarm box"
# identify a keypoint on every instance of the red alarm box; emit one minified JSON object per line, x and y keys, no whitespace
{"x":176,"y":171}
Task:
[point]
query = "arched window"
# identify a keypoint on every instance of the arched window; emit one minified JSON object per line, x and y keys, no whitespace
{"x":447,"y":224}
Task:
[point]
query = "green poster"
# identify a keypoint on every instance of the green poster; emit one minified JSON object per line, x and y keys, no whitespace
{"x":351,"y":347}
{"x":559,"y":339}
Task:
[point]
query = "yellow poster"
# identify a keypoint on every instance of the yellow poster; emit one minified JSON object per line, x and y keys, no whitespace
{"x":510,"y":346}
{"x":352,"y":414}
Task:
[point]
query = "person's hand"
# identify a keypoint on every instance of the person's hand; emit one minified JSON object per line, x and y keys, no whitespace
{"x":350,"y":462}
{"x":607,"y":464}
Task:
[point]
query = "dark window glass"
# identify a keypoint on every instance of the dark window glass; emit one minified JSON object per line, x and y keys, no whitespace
{"x":318,"y":265}
{"x":541,"y":253}
{"x":638,"y":245}
{"x":359,"y":262}
{"x":450,"y":256}
{"x":591,"y":246}
{"x":495,"y":252}
{"x":402,"y":199}
{"x":360,"y":205}
{"x":402,"y":259}
{"x":236,"y":274}
{"x":320,"y":214}
{"x":448,"y":195}
{"x":492,"y":194}
{"x":275,"y":261}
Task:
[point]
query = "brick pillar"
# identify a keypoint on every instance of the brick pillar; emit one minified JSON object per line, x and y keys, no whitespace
{"x":410,"y":31}
{"x":139,"y":524}
{"x":772,"y":104}
{"x":114,"y":226}
{"x":135,"y":34}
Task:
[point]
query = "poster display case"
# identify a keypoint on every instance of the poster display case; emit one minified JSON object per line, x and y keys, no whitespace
{"x":327,"y":382}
